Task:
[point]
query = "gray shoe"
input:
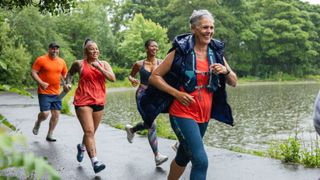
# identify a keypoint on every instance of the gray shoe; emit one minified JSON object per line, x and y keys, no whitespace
{"x":36,"y":128}
{"x":130,"y":135}
{"x":160,"y":158}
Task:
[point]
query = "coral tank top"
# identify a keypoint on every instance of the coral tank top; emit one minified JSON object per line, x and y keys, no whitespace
{"x":200,"y":110}
{"x":91,"y":87}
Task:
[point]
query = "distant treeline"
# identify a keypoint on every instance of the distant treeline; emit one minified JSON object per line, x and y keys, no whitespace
{"x":263,"y":38}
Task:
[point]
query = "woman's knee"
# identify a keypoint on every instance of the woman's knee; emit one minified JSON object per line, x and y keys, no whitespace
{"x":89,"y":133}
{"x":182,"y":158}
{"x":200,"y":160}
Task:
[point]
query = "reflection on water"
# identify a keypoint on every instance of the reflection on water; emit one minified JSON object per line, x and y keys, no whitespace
{"x":262,"y":113}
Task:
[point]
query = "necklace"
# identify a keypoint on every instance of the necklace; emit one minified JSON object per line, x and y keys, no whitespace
{"x":151,"y":61}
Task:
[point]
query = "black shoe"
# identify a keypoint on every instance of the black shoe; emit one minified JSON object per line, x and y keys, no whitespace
{"x":50,"y":139}
{"x":98,"y":166}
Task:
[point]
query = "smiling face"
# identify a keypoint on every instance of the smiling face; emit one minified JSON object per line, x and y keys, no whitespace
{"x":92,"y":51}
{"x":203,"y":30}
{"x":53,"y":52}
{"x":152,"y":48}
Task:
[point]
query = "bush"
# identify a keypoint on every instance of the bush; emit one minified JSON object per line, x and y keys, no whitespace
{"x":290,"y":150}
{"x":9,"y":157}
{"x":121,"y":73}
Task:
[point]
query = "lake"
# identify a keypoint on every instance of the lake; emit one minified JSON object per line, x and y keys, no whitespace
{"x":263,"y":113}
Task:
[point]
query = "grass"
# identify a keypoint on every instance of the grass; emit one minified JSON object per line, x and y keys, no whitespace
{"x":119,"y":84}
{"x":291,"y":151}
{"x":279,"y":78}
{"x":65,"y":101}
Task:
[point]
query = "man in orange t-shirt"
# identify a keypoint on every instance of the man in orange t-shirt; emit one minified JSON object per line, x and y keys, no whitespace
{"x":47,"y":71}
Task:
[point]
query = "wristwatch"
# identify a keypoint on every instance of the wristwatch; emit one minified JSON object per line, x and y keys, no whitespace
{"x":228,"y":72}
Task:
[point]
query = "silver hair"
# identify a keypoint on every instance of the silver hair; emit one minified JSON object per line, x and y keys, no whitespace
{"x":197,"y":15}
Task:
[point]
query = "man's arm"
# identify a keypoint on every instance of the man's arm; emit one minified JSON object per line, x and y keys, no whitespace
{"x":35,"y":76}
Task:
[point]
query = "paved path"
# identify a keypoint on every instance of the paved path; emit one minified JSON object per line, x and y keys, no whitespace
{"x":135,"y":161}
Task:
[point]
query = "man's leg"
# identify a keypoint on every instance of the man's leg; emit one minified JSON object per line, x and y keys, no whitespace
{"x":52,"y":124}
{"x":44,"y":105}
{"x":41,"y":117}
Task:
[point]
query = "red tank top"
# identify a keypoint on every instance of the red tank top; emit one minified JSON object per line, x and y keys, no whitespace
{"x":91,"y":87}
{"x":200,"y":110}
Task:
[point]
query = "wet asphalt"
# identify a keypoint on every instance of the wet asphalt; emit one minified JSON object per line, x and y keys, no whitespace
{"x":125,"y":161}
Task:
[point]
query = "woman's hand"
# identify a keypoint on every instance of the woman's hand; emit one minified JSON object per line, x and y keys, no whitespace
{"x":96,"y":65}
{"x":184,"y":98}
{"x":134,"y":81}
{"x":218,"y":68}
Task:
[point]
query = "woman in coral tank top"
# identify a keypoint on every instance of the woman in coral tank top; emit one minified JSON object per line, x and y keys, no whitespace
{"x":90,"y":98}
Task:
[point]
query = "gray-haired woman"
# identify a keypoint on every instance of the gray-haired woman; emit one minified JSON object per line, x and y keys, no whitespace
{"x":195,"y":74}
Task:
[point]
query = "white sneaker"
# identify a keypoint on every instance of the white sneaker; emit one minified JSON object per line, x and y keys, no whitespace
{"x":175,"y":146}
{"x":130,"y":135}
{"x":160,"y":158}
{"x":35,"y":129}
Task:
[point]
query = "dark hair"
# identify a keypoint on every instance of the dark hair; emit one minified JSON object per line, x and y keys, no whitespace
{"x":148,"y":42}
{"x":86,"y":42}
{"x":53,"y":45}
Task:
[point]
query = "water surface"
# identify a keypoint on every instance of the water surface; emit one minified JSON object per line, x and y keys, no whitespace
{"x":262,"y":113}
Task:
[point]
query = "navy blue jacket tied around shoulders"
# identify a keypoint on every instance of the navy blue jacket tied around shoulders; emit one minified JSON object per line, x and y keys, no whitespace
{"x":153,"y":101}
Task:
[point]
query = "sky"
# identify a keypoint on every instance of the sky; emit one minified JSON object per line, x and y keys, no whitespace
{"x":313,"y":1}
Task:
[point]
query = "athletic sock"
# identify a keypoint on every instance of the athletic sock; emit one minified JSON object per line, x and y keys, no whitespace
{"x":83,"y":147}
{"x":93,"y":160}
{"x":49,"y":135}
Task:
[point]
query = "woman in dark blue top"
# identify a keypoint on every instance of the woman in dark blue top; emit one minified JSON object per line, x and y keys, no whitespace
{"x":144,"y":68}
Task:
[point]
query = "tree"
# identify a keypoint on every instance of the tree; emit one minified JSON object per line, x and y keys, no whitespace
{"x":29,"y":35}
{"x":123,"y":11}
{"x":51,"y":6}
{"x":14,"y":59}
{"x":90,"y":19}
{"x":286,"y":38}
{"x":139,"y":30}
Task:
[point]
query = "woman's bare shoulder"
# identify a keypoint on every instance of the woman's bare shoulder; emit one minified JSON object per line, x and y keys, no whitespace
{"x":138,"y":63}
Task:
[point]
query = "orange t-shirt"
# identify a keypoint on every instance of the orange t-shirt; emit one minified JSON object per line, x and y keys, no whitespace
{"x":50,"y":71}
{"x":200,"y":110}
{"x":91,"y":87}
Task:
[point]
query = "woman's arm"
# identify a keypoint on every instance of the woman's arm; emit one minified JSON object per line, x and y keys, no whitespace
{"x":106,"y":70}
{"x":225,"y":69}
{"x":134,"y":70}
{"x":75,"y":68}
{"x":156,"y":79}
{"x":231,"y":76}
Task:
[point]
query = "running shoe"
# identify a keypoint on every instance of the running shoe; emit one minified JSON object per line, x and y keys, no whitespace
{"x":130,"y":135}
{"x":36,"y":128}
{"x":80,"y":153}
{"x":98,"y":166}
{"x":160,"y":158}
{"x":50,"y":139}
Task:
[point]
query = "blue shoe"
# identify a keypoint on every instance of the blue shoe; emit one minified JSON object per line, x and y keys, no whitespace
{"x":98,"y":166}
{"x":80,"y":153}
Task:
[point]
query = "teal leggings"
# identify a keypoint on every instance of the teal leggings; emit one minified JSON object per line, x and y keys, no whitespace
{"x":191,"y":148}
